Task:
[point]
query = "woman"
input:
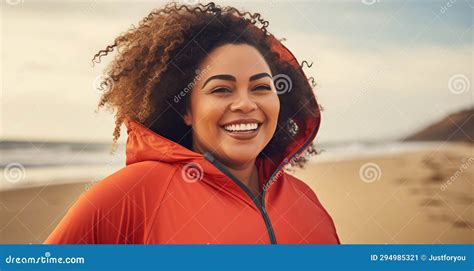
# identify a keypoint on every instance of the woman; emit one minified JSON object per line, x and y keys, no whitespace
{"x":215,"y":108}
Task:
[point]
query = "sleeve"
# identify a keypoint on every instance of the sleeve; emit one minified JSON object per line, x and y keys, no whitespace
{"x":114,"y":211}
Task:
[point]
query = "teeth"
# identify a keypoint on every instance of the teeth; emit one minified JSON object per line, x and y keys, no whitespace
{"x":241,"y":127}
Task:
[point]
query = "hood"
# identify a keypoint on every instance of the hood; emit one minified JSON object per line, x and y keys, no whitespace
{"x":144,"y":145}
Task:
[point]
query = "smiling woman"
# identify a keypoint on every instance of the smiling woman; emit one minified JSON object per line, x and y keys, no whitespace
{"x":215,"y":108}
{"x":234,"y":115}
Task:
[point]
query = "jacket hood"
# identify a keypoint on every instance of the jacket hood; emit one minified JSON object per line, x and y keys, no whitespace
{"x":145,"y":145}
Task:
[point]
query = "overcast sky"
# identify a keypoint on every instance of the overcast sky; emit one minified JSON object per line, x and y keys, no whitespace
{"x":384,"y":69}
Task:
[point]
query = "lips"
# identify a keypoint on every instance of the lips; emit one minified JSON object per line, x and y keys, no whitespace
{"x":241,"y":127}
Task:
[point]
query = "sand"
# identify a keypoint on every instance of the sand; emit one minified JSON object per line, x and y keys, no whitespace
{"x":29,"y":215}
{"x":421,"y":197}
{"x":416,"y":197}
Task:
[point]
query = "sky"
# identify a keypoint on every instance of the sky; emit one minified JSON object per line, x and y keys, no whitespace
{"x":384,"y":69}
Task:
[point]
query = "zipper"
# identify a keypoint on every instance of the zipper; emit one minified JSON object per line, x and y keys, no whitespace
{"x":260,"y":205}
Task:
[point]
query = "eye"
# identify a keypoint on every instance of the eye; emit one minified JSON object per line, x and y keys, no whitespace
{"x":221,"y":90}
{"x":263,"y":87}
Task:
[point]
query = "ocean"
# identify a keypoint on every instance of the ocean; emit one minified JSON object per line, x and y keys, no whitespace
{"x":28,"y":164}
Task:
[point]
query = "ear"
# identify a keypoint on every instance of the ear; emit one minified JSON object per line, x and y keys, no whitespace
{"x":187,"y":118}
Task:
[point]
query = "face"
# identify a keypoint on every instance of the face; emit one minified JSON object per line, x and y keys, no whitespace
{"x":234,"y":105}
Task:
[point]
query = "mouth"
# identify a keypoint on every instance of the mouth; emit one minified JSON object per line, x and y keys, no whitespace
{"x":242,"y":131}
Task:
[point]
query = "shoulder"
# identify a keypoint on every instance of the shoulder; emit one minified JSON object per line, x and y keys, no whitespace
{"x":116,"y":209}
{"x":304,"y":189}
{"x":137,"y":176}
{"x":141,"y":184}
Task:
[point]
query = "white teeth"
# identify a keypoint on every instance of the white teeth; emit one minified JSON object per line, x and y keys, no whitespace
{"x":241,"y":127}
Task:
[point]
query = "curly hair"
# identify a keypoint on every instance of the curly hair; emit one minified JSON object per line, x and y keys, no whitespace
{"x":170,"y":43}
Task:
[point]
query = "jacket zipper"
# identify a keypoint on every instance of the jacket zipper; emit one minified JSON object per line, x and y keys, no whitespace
{"x":260,"y":205}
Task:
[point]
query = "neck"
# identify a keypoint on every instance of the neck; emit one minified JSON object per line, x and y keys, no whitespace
{"x":247,"y":172}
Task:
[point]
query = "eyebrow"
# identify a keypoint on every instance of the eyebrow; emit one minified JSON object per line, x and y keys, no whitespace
{"x":259,"y":75}
{"x":229,"y":77}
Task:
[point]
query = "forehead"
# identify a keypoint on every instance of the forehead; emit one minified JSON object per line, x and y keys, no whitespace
{"x":240,"y":60}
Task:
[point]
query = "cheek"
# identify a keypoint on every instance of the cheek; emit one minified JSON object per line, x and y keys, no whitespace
{"x":271,"y":109}
{"x":206,"y":116}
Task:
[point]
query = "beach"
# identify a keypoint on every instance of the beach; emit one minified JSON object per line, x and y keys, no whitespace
{"x":29,"y":215}
{"x":424,"y":196}
{"x":408,"y":197}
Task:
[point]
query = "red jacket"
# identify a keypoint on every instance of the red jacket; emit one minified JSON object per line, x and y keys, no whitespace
{"x":169,"y":194}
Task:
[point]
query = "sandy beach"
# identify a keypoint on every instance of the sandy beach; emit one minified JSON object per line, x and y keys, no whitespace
{"x":408,"y":198}
{"x":29,"y":215}
{"x":424,"y":196}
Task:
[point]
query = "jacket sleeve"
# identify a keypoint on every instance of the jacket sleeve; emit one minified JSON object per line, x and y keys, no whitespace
{"x":114,"y":211}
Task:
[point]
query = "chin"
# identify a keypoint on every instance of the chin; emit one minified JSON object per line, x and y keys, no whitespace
{"x":239,"y":155}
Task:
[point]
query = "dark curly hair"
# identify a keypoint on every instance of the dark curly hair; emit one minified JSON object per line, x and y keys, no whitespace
{"x":158,"y":59}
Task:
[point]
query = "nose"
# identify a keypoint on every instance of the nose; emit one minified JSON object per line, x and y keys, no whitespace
{"x":243,"y":102}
